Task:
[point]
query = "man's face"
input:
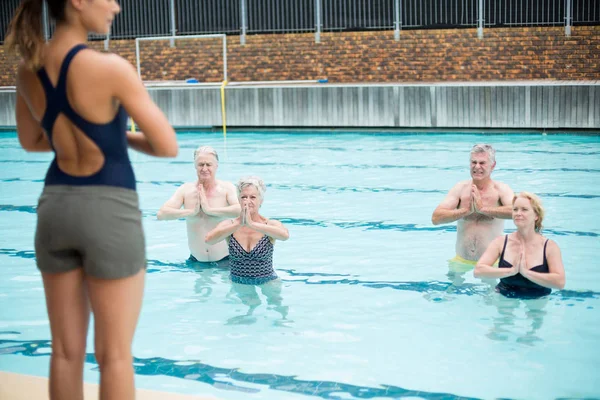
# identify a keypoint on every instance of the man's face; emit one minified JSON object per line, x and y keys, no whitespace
{"x":481,"y":168}
{"x":206,"y":166}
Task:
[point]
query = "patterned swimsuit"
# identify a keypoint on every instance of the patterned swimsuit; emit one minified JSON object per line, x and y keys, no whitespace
{"x":254,"y":267}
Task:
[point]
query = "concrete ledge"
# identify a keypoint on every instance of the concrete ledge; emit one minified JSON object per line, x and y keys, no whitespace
{"x":27,"y":387}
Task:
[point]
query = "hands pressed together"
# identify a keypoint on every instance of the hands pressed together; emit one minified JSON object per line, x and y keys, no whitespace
{"x":245,"y":219}
{"x":521,"y":265}
{"x":475,"y":205}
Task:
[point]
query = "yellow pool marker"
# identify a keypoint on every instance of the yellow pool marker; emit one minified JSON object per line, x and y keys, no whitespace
{"x":131,"y":125}
{"x":223,"y":112}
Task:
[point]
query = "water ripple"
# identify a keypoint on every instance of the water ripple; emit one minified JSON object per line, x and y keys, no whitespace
{"x":364,"y":225}
{"x":336,"y":189}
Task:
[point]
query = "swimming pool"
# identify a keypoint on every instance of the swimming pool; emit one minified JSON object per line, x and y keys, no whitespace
{"x":369,"y":309}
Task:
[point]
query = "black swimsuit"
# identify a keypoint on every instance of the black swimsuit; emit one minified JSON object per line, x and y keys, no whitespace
{"x":519,"y":286}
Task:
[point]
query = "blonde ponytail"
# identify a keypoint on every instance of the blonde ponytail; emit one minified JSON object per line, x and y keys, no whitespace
{"x":25,"y":34}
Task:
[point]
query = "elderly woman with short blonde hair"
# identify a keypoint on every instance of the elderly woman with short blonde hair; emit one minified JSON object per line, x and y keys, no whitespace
{"x":250,"y":237}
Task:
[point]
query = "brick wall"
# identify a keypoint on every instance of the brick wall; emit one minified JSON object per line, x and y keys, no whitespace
{"x":420,"y":55}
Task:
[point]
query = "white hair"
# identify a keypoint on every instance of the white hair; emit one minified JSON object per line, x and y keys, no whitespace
{"x":485,"y":148}
{"x":205,"y":150}
{"x":252,"y":181}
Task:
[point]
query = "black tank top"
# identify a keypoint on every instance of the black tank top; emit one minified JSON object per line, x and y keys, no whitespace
{"x":519,"y":286}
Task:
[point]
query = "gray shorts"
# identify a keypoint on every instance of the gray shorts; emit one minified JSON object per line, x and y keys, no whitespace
{"x":97,"y":228}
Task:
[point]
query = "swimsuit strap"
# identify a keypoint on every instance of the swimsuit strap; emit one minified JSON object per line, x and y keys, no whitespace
{"x":504,"y":248}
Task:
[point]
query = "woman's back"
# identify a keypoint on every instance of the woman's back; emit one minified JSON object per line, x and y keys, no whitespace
{"x":89,"y":241}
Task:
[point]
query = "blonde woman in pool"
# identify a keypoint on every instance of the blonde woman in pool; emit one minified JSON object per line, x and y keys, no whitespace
{"x":530,"y":265}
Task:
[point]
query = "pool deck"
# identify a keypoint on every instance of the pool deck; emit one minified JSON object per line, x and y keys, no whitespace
{"x":27,"y":387}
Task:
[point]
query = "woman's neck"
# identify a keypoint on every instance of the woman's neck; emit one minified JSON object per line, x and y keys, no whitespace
{"x":526,"y":235}
{"x":68,"y":32}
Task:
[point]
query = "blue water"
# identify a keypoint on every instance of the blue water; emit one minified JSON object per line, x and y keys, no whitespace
{"x":369,"y":307}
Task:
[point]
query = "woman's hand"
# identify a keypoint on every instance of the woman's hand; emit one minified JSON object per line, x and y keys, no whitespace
{"x":247,"y":218}
{"x":522,"y":263}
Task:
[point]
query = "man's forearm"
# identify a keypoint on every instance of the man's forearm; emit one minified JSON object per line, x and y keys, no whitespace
{"x":448,"y":216}
{"x":167,"y":213}
{"x":232,"y":211}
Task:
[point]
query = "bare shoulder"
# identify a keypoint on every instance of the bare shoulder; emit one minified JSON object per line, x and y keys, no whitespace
{"x":226,"y":185}
{"x":499,"y":240}
{"x":462,"y":185}
{"x":105,"y":64}
{"x":274,"y":222}
{"x":502,"y":187}
{"x":188,"y":187}
{"x":552,"y":245}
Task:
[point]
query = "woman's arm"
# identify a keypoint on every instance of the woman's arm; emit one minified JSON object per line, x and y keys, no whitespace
{"x":157,"y":137}
{"x":30,"y":133}
{"x":485,"y":268}
{"x":222,"y":230}
{"x":272,"y":228}
{"x":555,"y":278}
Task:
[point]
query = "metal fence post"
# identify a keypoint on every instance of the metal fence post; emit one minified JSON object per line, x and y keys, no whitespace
{"x":568,"y":18}
{"x":244,"y":21}
{"x":106,"y":42}
{"x":173,"y":30}
{"x":317,"y":21}
{"x":45,"y":21}
{"x":397,"y":20}
{"x":480,"y":21}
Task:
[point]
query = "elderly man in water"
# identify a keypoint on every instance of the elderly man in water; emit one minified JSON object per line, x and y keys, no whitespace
{"x":480,"y":205}
{"x":205,"y":202}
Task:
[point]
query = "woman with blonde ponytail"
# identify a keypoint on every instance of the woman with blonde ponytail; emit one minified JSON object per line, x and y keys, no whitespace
{"x":89,"y":241}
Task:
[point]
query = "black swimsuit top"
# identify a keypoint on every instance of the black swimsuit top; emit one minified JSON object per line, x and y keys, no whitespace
{"x":519,"y":286}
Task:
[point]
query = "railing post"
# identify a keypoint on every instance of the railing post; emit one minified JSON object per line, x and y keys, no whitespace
{"x":137,"y":57}
{"x":480,"y":20}
{"x":397,"y":19}
{"x":173,"y":30}
{"x":107,"y":42}
{"x":568,"y":18}
{"x":317,"y":21}
{"x":244,"y":22}
{"x":45,"y":21}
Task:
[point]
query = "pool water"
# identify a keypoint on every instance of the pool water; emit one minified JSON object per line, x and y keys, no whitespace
{"x":366,"y":306}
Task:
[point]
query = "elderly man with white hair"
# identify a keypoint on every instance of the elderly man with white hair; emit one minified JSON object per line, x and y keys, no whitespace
{"x":479,"y":204}
{"x":205,"y":202}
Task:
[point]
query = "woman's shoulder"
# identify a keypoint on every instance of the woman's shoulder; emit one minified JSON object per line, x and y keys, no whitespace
{"x":101,"y":64}
{"x":548,"y":242}
{"x":272,"y":222}
{"x":112,"y":62}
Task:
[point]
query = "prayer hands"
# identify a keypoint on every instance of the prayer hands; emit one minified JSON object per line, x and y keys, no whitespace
{"x":521,"y":264}
{"x":476,"y":202}
{"x":246,"y":217}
